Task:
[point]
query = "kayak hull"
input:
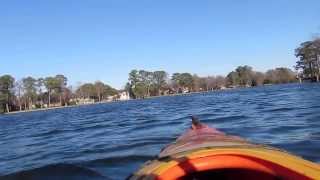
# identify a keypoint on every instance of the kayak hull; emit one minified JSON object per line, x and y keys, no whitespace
{"x":207,"y":154}
{"x":266,"y":161}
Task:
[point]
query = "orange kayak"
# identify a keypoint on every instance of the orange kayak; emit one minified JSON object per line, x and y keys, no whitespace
{"x":206,"y":153}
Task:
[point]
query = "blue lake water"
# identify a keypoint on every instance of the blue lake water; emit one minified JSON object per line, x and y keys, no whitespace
{"x":110,"y":141}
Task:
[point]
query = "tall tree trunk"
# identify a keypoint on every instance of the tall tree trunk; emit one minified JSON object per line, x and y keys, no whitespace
{"x":41,"y":103}
{"x":19,"y":102}
{"x":7,"y":104}
{"x":7,"y":108}
{"x":318,"y":67}
{"x":25,"y":104}
{"x":99,"y":95}
{"x":300,"y":80}
{"x":64,"y":100}
{"x":30,"y":103}
{"x":311,"y":70}
{"x":60,"y":100}
{"x":19,"y":99}
{"x":148,"y":91}
{"x":49,"y":97}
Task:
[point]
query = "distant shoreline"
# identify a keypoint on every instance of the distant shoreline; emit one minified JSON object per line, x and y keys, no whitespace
{"x":106,"y":102}
{"x":52,"y":108}
{"x":40,"y":109}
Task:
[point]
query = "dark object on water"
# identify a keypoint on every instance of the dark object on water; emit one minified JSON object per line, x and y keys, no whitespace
{"x":56,"y":172}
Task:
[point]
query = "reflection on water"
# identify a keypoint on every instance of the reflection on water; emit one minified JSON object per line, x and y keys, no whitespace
{"x":112,"y":140}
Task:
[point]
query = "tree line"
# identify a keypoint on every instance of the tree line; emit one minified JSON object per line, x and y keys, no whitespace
{"x":32,"y":93}
{"x":308,"y":65}
{"x":29,"y":92}
{"x":144,"y":83}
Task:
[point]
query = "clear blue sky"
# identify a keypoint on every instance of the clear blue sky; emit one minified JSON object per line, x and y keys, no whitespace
{"x":91,"y":40}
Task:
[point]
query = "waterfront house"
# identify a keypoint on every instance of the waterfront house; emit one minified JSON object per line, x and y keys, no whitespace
{"x":123,"y":95}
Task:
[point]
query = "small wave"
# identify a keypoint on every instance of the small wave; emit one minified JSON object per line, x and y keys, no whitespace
{"x":225,"y":119}
{"x":284,"y":109}
{"x":47,"y":133}
{"x":282,"y":129}
{"x":118,"y":159}
{"x":301,"y":148}
{"x":123,"y":147}
{"x":91,"y":127}
{"x":315,"y":136}
{"x":56,"y":172}
{"x":206,"y":114}
{"x":156,"y":124}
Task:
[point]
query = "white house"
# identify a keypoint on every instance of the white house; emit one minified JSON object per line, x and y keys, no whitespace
{"x":80,"y":101}
{"x":124,"y":95}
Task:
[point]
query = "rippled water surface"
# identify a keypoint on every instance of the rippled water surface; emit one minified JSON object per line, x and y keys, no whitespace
{"x":110,"y":141}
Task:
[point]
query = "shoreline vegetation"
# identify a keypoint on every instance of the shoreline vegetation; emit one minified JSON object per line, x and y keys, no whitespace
{"x":30,"y":94}
{"x":34,"y":94}
{"x":104,"y":102}
{"x":93,"y":103}
{"x":55,"y":107}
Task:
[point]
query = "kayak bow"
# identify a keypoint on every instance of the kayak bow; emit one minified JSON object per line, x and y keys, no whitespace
{"x":206,"y":153}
